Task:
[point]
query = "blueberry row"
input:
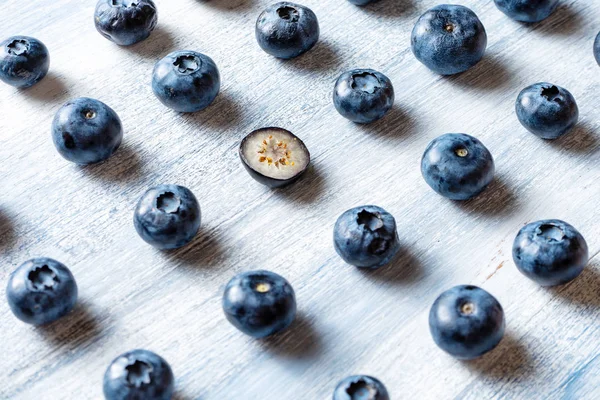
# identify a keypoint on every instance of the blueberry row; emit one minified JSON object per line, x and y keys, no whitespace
{"x":465,"y":321}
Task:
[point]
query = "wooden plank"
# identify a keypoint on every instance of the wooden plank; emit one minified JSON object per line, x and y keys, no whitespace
{"x":349,"y":321}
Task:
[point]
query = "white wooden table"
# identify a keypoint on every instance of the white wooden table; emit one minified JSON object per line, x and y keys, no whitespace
{"x":132,"y":296}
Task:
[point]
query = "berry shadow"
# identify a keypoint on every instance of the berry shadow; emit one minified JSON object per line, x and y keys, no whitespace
{"x":497,"y":199}
{"x":159,"y":44}
{"x":322,"y":58}
{"x":564,"y":21}
{"x":308,"y":188}
{"x":228,"y":5}
{"x":300,"y":341}
{"x":490,"y":74}
{"x":389,"y":8}
{"x":124,"y":166}
{"x":223,"y":113}
{"x":396,"y":124}
{"x":7,"y":231}
{"x":581,"y":140}
{"x":405,"y":268}
{"x":51,"y":88}
{"x":204,"y":251}
{"x":583,"y":290}
{"x":510,"y":360}
{"x":78,"y":328}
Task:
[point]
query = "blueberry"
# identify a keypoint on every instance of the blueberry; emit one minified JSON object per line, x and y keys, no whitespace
{"x":186,"y":81}
{"x":167,"y":216}
{"x":138,"y":374}
{"x":286,"y":30}
{"x":546,"y":110}
{"x":86,"y":131}
{"x":363,"y":95}
{"x":597,"y":48}
{"x":125,"y":22}
{"x":360,"y":387}
{"x":527,"y":10}
{"x":41,"y":291}
{"x":361,"y":2}
{"x":457,"y":166}
{"x":259,"y":303}
{"x":366,"y":237}
{"x":550,"y":252}
{"x":449,"y":39}
{"x":466,"y":322}
{"x":24,"y":61}
{"x":274,"y":156}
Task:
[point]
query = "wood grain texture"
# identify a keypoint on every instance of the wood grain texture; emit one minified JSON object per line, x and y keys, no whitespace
{"x":133,"y":296}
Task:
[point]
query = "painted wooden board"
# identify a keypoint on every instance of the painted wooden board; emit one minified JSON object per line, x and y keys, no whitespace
{"x":349,"y":321}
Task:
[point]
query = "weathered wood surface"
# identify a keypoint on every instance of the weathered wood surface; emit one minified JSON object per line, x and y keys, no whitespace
{"x":349,"y":321}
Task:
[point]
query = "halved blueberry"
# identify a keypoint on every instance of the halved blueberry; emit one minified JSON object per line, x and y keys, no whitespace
{"x":274,"y":156}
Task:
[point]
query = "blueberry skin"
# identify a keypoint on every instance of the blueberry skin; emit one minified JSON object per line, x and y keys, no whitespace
{"x":361,"y":2}
{"x":286,"y":30}
{"x":597,"y":48}
{"x":186,"y":81}
{"x":259,"y":303}
{"x":24,"y":61}
{"x":125,"y":22}
{"x":546,"y":110}
{"x":86,"y":131}
{"x":360,"y":387}
{"x":457,"y":166}
{"x":449,"y":39}
{"x":466,"y":322}
{"x":366,"y":237}
{"x":363,"y":95}
{"x":138,"y":375}
{"x":527,"y":10}
{"x":41,"y":291}
{"x":550,"y":252}
{"x":167,"y":216}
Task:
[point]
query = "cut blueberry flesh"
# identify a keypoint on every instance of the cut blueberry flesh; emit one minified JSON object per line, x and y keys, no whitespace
{"x":363,"y":95}
{"x":286,"y":30}
{"x":457,"y":166}
{"x":527,"y":10}
{"x":360,"y":387}
{"x":550,"y":252}
{"x":167,"y":216}
{"x":186,"y":81}
{"x":274,"y":156}
{"x":138,"y":374}
{"x":466,"y":321}
{"x":259,"y":303}
{"x":24,"y":61}
{"x":449,"y":39}
{"x":125,"y":22}
{"x":41,"y":291}
{"x":547,"y":110}
{"x":366,"y":237}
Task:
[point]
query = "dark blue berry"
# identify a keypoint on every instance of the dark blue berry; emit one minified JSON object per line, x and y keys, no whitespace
{"x":259,"y":303}
{"x":360,"y":387}
{"x":366,"y":237}
{"x":597,"y":48}
{"x":86,"y":131}
{"x":286,"y":30}
{"x":24,"y":61}
{"x":527,"y":10}
{"x":466,"y":321}
{"x":363,"y":95}
{"x":457,"y":166}
{"x":167,"y":216}
{"x":449,"y":39}
{"x":550,"y":252}
{"x":546,"y":110}
{"x":139,"y":375}
{"x":186,"y":81}
{"x":274,"y":156}
{"x":125,"y":22}
{"x":41,"y":291}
